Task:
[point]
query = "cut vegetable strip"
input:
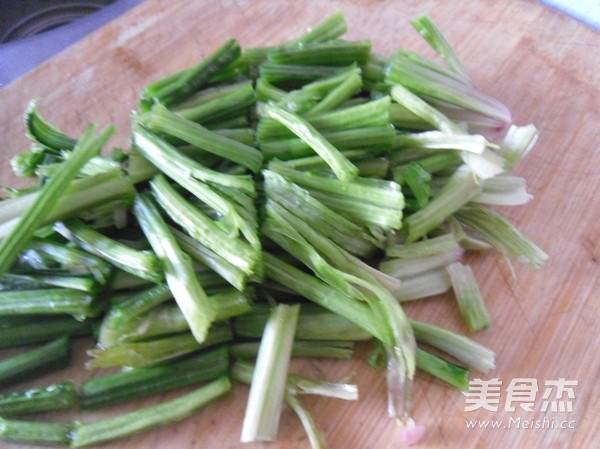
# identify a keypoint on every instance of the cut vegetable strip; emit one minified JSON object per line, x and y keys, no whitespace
{"x":41,"y":329}
{"x":439,"y":140}
{"x":332,"y":53}
{"x":83,"y":194}
{"x":88,"y":434}
{"x":178,"y":269}
{"x":433,"y":246}
{"x":217,"y":112}
{"x":202,"y":254}
{"x":143,"y":264}
{"x":35,"y":362}
{"x":469,"y":297}
{"x":517,"y":143}
{"x":455,"y":375}
{"x":431,"y":83}
{"x":463,"y":348}
{"x":173,"y":163}
{"x":267,"y":389}
{"x":315,"y":435}
{"x":53,"y":301}
{"x":296,"y":74}
{"x":122,"y":317}
{"x":52,"y":397}
{"x":342,"y":92}
{"x":330,"y":28}
{"x":162,"y":120}
{"x":341,"y":166}
{"x":504,"y":190}
{"x":38,"y":281}
{"x":50,"y":195}
{"x":138,"y":382}
{"x":503,"y":235}
{"x":434,"y":37}
{"x":43,"y":132}
{"x":403,"y":268}
{"x":158,"y":350}
{"x":423,"y":285}
{"x":202,"y":228}
{"x":423,"y":110}
{"x":35,"y":432}
{"x":194,"y":78}
{"x":460,"y":188}
{"x":168,"y":319}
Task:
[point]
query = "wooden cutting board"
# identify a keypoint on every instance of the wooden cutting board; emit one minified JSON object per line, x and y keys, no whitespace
{"x":542,"y":64}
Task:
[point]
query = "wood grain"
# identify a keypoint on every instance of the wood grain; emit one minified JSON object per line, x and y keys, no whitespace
{"x":542,"y":64}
